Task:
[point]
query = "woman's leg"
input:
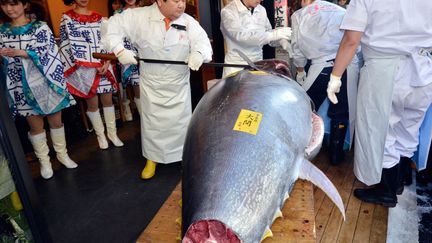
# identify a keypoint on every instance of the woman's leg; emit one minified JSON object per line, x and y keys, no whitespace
{"x":96,"y":121}
{"x":110,"y":120}
{"x":126,"y":104}
{"x":37,"y":137}
{"x":59,"y":140}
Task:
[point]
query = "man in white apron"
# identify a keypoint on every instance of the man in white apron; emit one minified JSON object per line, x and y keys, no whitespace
{"x":161,"y":31}
{"x":245,"y":26}
{"x":395,"y":87}
{"x":316,"y":36}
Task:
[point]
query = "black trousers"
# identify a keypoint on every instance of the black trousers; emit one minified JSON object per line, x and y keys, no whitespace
{"x":318,"y":92}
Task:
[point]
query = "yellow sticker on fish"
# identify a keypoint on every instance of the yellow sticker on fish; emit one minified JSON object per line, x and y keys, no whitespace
{"x":248,"y":121}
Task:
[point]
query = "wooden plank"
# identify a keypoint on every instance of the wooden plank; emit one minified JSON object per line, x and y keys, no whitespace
{"x":297,"y":225}
{"x":331,"y":232}
{"x":379,"y":225}
{"x":335,"y":221}
{"x":346,"y":233}
{"x":337,"y":175}
{"x":364,"y":223}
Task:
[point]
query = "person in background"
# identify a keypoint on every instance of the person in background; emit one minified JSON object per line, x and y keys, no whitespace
{"x":395,"y":89}
{"x":86,"y":76}
{"x":343,"y":3}
{"x":321,"y":47}
{"x":161,"y":31}
{"x":245,"y":27}
{"x":143,"y":3}
{"x":114,"y":6}
{"x":35,"y":81}
{"x":130,"y":73}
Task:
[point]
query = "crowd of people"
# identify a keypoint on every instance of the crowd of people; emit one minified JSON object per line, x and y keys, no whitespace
{"x":370,"y":63}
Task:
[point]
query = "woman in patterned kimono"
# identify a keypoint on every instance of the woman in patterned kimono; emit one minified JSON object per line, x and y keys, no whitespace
{"x":35,"y":80}
{"x":86,"y":76}
{"x":130,"y":73}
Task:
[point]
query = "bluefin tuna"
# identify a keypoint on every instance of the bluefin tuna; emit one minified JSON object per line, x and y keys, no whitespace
{"x":250,"y":138}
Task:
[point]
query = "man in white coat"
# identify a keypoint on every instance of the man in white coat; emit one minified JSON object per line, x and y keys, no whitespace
{"x":316,"y":37}
{"x":161,"y":31}
{"x":245,"y":26}
{"x":395,"y":87}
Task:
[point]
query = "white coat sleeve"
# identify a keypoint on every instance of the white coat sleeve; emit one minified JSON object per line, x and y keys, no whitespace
{"x":231,"y":26}
{"x":199,"y":40}
{"x":356,"y":17}
{"x":298,"y":56}
{"x":116,"y":28}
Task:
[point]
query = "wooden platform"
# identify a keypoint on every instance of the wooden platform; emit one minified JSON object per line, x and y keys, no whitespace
{"x":365,"y":222}
{"x":297,"y":225}
{"x":304,"y":213}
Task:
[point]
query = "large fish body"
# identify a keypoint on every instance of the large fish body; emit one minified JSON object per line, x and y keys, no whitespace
{"x":234,"y":181}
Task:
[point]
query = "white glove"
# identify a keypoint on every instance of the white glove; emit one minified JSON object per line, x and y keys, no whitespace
{"x":195,"y":60}
{"x":280,"y":33}
{"x":126,"y":56}
{"x":301,"y":77}
{"x":333,"y":87}
{"x":286,"y":45}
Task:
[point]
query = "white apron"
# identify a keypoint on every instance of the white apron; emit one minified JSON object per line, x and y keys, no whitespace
{"x":374,"y":103}
{"x":352,"y":81}
{"x":166,"y":101}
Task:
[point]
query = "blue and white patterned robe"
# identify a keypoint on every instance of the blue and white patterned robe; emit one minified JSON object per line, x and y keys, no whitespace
{"x":129,"y":73}
{"x":36,"y":85}
{"x":79,"y":39}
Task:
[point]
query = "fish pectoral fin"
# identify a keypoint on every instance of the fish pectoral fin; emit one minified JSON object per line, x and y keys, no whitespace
{"x":316,"y":139}
{"x":310,"y":172}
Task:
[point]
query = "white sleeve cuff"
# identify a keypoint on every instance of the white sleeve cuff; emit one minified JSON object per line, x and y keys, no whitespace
{"x":118,"y":48}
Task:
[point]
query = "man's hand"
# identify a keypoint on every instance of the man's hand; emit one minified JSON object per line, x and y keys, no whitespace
{"x":126,"y":57}
{"x":195,"y":60}
{"x":333,"y":87}
{"x":301,"y":77}
{"x":286,"y":45}
{"x":281,"y":33}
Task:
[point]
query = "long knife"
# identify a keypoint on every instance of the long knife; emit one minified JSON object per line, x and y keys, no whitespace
{"x":112,"y":57}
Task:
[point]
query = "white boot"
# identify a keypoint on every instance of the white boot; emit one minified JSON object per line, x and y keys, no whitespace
{"x":41,"y":150}
{"x":111,"y":126}
{"x":59,"y":143}
{"x":127,"y":110}
{"x":138,"y":105}
{"x":98,"y":126}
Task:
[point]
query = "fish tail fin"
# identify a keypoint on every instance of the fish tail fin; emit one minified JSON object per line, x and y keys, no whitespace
{"x":310,"y":172}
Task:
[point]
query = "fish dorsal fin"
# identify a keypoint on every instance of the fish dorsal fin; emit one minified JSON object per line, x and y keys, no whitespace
{"x":310,"y":172}
{"x":316,"y":139}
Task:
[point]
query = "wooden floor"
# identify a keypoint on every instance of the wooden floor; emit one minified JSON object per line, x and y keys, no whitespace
{"x":296,"y":225}
{"x":364,"y":222}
